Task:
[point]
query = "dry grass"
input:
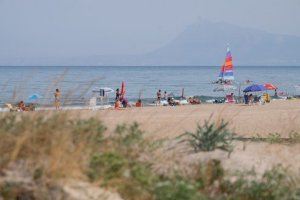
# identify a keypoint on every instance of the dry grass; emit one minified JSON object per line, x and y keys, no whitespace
{"x":57,"y":145}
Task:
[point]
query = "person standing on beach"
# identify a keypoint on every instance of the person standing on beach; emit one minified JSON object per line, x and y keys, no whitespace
{"x":165,"y":95}
{"x":117,"y":94}
{"x":158,"y":95}
{"x":275,"y":93}
{"x":57,"y":99}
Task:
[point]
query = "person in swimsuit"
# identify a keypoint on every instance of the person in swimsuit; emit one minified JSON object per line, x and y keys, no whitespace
{"x":21,"y":106}
{"x":57,"y":99}
{"x":158,"y":95}
{"x":117,"y":94}
{"x":165,"y":95}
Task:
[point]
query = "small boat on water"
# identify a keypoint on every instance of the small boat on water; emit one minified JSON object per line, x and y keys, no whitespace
{"x":225,"y":80}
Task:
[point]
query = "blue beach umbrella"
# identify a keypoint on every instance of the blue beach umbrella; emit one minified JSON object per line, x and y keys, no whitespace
{"x":34,"y":97}
{"x":254,"y":88}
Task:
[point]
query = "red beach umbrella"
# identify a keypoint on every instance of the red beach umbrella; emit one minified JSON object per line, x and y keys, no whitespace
{"x":123,"y":91}
{"x":270,"y":86}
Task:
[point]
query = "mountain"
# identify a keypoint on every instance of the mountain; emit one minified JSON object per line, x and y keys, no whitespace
{"x":203,"y":43}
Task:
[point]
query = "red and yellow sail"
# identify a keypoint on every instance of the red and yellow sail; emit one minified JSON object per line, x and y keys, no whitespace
{"x":227,"y":68}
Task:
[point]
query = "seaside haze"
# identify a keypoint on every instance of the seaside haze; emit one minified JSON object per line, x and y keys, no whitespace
{"x":140,"y":32}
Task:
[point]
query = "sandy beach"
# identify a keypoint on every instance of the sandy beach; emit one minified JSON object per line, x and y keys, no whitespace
{"x":280,"y":117}
{"x":276,"y":117}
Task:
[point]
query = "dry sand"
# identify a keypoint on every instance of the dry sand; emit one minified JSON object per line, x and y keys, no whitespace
{"x":168,"y":122}
{"x":276,"y":117}
{"x":160,"y":122}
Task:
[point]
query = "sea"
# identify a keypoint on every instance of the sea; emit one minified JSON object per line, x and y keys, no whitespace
{"x":76,"y":83}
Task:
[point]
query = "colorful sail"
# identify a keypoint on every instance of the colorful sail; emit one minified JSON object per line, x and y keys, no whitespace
{"x":227,"y":68}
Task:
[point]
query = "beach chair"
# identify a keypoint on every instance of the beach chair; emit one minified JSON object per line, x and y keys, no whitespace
{"x":266,"y":97}
{"x":93,"y":103}
{"x":230,"y":99}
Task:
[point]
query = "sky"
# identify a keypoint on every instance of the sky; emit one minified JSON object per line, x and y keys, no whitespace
{"x":55,"y":28}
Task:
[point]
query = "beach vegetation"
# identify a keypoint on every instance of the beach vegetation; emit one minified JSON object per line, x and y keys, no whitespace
{"x":275,"y":183}
{"x":273,"y":138}
{"x":56,"y":147}
{"x":294,"y":137}
{"x":210,"y":136}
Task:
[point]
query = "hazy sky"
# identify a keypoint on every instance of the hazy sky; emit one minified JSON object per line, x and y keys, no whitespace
{"x":43,"y":28}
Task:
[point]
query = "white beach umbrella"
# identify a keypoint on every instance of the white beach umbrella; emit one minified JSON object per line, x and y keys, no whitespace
{"x":106,"y":89}
{"x":225,"y":88}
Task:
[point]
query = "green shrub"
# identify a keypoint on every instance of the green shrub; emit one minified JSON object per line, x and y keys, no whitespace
{"x":274,"y":184}
{"x":274,"y":138}
{"x":177,"y":190}
{"x":210,"y":136}
{"x":129,"y":135}
{"x":89,"y":129}
{"x":294,"y":137}
{"x":107,"y":166}
{"x":139,"y":182}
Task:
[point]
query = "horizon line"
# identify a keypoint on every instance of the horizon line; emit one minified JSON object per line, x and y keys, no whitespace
{"x":146,"y":65}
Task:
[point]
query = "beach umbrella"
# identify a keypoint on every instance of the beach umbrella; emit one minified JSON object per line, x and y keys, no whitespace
{"x":123,"y":91}
{"x":34,"y":97}
{"x":225,"y":88}
{"x":255,"y":88}
{"x":270,"y":86}
{"x":105,"y":89}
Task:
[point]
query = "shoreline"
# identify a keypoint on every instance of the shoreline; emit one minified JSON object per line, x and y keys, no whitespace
{"x":280,"y":117}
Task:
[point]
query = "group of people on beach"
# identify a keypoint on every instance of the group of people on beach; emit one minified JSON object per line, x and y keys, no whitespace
{"x":162,"y":98}
{"x":122,"y":102}
{"x":21,"y":106}
{"x":250,"y":99}
{"x":171,"y":101}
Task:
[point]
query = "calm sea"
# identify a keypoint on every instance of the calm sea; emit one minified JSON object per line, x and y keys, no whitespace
{"x":76,"y":83}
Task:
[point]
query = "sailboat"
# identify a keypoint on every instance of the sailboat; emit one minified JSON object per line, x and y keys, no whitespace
{"x":226,"y":78}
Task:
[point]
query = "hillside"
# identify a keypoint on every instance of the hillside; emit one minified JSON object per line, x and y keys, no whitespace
{"x":203,"y":43}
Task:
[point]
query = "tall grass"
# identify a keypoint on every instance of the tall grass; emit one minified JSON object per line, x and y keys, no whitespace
{"x":55,"y":143}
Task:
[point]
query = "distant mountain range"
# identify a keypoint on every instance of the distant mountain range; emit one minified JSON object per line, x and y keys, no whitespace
{"x":200,"y":44}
